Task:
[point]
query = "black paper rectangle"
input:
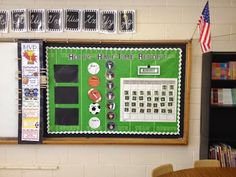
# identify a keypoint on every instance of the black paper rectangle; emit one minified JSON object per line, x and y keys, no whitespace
{"x":66,"y":73}
{"x":67,"y":116}
{"x":66,"y":95}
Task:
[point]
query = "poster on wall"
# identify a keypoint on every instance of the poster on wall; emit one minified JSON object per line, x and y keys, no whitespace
{"x":3,"y":21}
{"x":108,"y":22}
{"x":36,"y":20}
{"x":118,"y":91}
{"x":19,"y":20}
{"x":90,"y":20}
{"x":72,"y":18}
{"x":29,"y":119}
{"x":54,"y":20}
{"x":127,"y":21}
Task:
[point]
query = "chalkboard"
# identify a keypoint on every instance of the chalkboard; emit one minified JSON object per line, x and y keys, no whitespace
{"x":118,"y":92}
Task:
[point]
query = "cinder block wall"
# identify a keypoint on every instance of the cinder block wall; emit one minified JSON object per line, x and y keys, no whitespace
{"x":156,"y":20}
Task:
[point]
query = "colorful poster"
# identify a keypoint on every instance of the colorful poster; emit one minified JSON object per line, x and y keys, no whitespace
{"x":30,"y":71}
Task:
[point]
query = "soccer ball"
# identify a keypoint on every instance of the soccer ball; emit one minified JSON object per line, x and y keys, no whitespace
{"x":94,"y":108}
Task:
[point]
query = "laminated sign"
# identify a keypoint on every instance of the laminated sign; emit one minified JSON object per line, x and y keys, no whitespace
{"x":29,"y":119}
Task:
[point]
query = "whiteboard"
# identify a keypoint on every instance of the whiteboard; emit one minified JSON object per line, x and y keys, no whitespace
{"x":8,"y":90}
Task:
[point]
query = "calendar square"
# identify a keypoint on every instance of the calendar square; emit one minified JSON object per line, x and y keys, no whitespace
{"x":141,"y":104}
{"x":163,"y":93}
{"x":126,"y":97}
{"x":155,"y":105}
{"x":141,"y":110}
{"x":163,"y":99}
{"x":134,"y":98}
{"x":171,"y":87}
{"x":156,"y":99}
{"x":141,"y":92}
{"x":164,"y":87}
{"x":156,"y":110}
{"x":156,"y":93}
{"x":126,"y":104}
{"x":140,"y":98}
{"x":126,"y":92}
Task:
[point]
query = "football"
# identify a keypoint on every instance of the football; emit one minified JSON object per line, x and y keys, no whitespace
{"x":94,"y":108}
{"x":94,"y":95}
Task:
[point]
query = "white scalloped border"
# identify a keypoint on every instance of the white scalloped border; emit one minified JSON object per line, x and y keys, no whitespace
{"x":120,"y":132}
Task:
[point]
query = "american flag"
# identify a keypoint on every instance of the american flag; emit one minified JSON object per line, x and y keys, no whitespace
{"x":204,"y":29}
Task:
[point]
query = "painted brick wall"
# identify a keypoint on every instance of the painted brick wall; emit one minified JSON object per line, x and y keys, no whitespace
{"x":156,"y":20}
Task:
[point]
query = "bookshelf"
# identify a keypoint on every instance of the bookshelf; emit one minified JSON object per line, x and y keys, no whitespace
{"x":218,"y":107}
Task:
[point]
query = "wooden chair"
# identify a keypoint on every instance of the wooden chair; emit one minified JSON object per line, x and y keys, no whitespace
{"x":206,"y":163}
{"x":163,"y":169}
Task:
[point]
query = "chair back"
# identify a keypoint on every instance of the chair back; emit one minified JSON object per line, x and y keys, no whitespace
{"x":206,"y":163}
{"x":163,"y":169}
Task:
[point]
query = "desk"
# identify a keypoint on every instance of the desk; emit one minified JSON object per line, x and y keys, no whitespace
{"x":203,"y":172}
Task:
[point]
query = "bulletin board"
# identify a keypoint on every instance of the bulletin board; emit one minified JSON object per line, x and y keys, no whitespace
{"x":112,"y":92}
{"x":117,"y":92}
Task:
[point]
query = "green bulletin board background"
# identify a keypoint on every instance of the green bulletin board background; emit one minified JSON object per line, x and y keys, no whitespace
{"x":126,"y":61}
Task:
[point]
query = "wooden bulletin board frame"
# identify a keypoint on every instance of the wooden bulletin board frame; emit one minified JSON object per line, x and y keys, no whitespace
{"x":183,"y":140}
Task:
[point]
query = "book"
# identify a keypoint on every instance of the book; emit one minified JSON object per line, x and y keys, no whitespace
{"x":220,"y":71}
{"x":224,"y":153}
{"x":223,"y":96}
{"x":224,"y":71}
{"x":232,"y":70}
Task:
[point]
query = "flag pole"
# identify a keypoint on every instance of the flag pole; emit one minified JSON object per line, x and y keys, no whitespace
{"x":194,"y":32}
